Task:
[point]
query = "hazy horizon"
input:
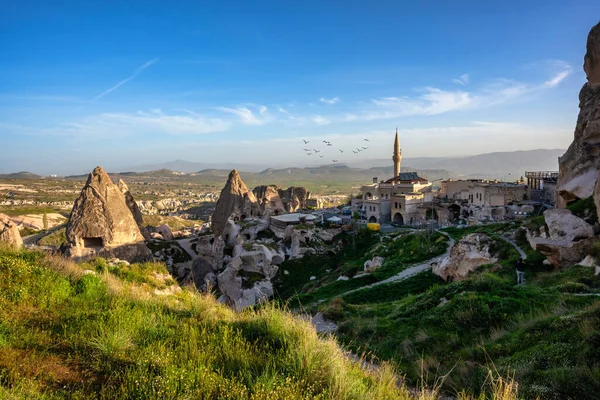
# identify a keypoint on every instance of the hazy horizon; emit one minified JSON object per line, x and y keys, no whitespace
{"x":93,"y":83}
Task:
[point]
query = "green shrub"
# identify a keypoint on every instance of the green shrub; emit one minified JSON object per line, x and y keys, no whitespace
{"x":573,"y":287}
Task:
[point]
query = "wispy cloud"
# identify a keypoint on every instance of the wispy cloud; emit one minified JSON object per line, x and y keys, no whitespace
{"x":124,"y":81}
{"x":333,"y":100}
{"x":462,"y":80}
{"x":124,"y":124}
{"x":319,"y":120}
{"x":246,"y":115}
{"x":558,"y":78}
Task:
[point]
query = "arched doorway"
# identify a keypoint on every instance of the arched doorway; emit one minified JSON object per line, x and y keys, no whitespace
{"x":372,"y":219}
{"x":368,"y":196}
{"x":398,"y":219}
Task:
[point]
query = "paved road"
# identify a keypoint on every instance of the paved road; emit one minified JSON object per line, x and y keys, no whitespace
{"x":410,"y":271}
{"x":32,"y":240}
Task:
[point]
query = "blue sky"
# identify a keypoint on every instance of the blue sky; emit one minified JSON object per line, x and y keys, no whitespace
{"x":126,"y":83}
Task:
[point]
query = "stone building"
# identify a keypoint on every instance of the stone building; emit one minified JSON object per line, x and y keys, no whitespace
{"x":387,"y":200}
{"x":542,"y":186}
{"x":483,"y":193}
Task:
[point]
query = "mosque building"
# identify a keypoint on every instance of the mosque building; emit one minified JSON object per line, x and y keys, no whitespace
{"x":397,"y":199}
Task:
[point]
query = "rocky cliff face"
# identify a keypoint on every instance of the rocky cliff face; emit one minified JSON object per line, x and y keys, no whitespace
{"x":9,"y":233}
{"x":294,"y":198}
{"x":235,"y":201}
{"x":102,"y":224}
{"x":272,"y":197}
{"x":580,"y":164}
{"x":269,"y":199}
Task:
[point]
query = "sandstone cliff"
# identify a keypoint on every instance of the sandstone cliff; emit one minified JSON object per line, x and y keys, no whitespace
{"x":235,"y":201}
{"x":102,"y":224}
{"x":580,"y":164}
{"x":9,"y":233}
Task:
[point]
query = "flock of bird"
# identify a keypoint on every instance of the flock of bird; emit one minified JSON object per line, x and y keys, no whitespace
{"x":310,"y":152}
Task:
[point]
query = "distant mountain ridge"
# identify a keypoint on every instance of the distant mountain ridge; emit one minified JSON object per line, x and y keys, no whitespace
{"x":501,"y":165}
{"x":489,"y":165}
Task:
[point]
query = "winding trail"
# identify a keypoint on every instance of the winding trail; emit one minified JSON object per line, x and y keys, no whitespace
{"x":522,"y":254}
{"x":410,"y":271}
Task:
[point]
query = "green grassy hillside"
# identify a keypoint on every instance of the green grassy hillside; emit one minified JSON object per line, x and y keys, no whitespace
{"x":128,"y":332}
{"x":546,"y":333}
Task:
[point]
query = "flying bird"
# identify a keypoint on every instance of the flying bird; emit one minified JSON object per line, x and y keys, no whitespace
{"x":329,"y":144}
{"x":320,"y":156}
{"x":366,"y":140}
{"x":316,"y":151}
{"x":308,"y":154}
{"x":334,"y":161}
{"x":305,"y":141}
{"x":341,"y":151}
{"x":325,"y":141}
{"x":355,"y":152}
{"x":364,"y":148}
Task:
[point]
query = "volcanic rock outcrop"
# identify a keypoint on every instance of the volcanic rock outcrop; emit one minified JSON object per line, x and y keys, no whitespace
{"x":9,"y":233}
{"x":272,"y":197}
{"x":471,"y":252}
{"x":567,"y":239}
{"x":135,"y":210}
{"x":235,"y":201}
{"x":102,"y":224}
{"x":580,"y":164}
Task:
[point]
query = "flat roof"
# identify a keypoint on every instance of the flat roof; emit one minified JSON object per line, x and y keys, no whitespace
{"x":294,"y":217}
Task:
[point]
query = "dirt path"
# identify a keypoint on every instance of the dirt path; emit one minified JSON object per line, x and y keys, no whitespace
{"x":522,"y":254}
{"x":410,"y":271}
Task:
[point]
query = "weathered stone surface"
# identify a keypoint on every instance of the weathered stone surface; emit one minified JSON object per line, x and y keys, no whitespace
{"x":165,"y":232}
{"x":591,"y":61}
{"x":102,"y":224}
{"x":133,"y":207}
{"x":564,"y":226}
{"x":567,"y":241}
{"x":235,"y":201}
{"x":294,"y":198}
{"x":468,"y":254}
{"x":201,"y":267}
{"x":579,"y":166}
{"x":269,"y":199}
{"x":278,"y":200}
{"x":372,"y":265}
{"x":9,"y":233}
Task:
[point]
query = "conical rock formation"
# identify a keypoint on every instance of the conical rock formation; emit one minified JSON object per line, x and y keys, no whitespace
{"x":235,"y":201}
{"x":102,"y":224}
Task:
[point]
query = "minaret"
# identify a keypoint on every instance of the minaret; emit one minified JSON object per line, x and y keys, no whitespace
{"x":397,"y":155}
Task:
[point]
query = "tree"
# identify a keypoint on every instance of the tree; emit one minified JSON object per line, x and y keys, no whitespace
{"x":45,"y":221}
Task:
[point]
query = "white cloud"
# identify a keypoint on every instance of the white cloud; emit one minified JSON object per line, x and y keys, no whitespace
{"x":319,"y":120}
{"x":333,"y":100}
{"x":462,"y":80}
{"x":135,"y":73}
{"x":245,"y":114}
{"x":557,"y":78}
